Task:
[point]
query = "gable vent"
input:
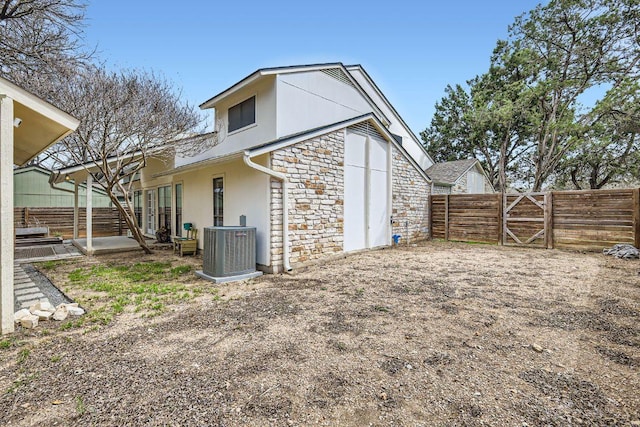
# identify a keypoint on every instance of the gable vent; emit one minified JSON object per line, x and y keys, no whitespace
{"x":366,"y":129}
{"x":338,"y":74}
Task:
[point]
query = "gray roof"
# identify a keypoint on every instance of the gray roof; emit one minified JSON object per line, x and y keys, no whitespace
{"x":448,"y":172}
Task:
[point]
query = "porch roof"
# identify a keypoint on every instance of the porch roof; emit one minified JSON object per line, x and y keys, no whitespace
{"x":41,"y":124}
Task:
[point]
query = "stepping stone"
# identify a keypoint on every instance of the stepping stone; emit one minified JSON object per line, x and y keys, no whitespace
{"x":29,"y":297}
{"x":26,"y":291}
{"x":22,"y":281}
{"x":28,"y":304}
{"x":24,"y":285}
{"x":20,"y":277}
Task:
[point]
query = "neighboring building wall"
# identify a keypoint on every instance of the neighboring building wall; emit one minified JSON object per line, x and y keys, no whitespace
{"x":32,"y":189}
{"x":410,"y":200}
{"x":472,"y":182}
{"x":316,"y":199}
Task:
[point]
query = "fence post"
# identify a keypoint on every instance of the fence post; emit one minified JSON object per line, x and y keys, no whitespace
{"x":500,"y":213}
{"x":26,"y":217}
{"x":548,"y":219}
{"x":636,"y":217}
{"x":119,"y":222}
{"x":430,"y":225}
{"x":446,"y":217}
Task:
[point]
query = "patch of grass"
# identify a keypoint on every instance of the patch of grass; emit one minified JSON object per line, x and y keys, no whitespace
{"x":49,"y":265}
{"x":56,"y":359}
{"x":145,"y":287}
{"x":4,"y":344}
{"x":181,"y":270}
{"x":23,"y":355}
{"x":381,"y":308}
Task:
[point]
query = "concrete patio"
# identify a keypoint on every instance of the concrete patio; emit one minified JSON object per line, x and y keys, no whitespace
{"x":108,"y":245}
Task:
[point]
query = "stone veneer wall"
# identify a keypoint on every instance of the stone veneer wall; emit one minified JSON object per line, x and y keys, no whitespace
{"x":315,"y":169}
{"x":410,"y":200}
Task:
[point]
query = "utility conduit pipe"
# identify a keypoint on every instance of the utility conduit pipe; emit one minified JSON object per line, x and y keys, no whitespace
{"x":285,"y":204}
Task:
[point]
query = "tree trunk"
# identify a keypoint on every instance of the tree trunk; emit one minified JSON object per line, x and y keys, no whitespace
{"x":130,"y":219}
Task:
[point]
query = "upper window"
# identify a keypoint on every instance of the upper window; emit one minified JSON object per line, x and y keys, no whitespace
{"x":243,"y":114}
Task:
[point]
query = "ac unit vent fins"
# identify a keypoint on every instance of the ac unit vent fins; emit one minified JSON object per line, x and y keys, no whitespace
{"x":229,"y":251}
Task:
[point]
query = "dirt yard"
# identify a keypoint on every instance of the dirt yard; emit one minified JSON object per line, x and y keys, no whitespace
{"x":435,"y":335}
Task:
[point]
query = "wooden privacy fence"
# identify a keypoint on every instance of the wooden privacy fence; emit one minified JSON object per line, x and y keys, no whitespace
{"x":106,"y":221}
{"x":588,"y":219}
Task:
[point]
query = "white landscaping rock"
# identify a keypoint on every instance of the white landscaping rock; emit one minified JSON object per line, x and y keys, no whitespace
{"x":30,"y":321}
{"x":61,"y":313}
{"x":42,"y":315}
{"x":47,"y":306}
{"x":21,"y":314}
{"x":42,"y":306}
{"x":75,"y":311}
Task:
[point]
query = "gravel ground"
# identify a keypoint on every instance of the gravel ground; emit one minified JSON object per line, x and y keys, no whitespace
{"x":46,"y":287}
{"x":435,"y":335}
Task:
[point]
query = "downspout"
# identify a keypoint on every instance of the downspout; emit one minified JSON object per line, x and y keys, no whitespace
{"x":285,"y":203}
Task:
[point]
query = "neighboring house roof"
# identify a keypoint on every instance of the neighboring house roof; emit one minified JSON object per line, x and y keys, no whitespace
{"x":448,"y":173}
{"x":298,"y":137}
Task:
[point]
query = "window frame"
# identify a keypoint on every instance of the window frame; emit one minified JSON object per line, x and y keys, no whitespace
{"x":178,"y":205}
{"x":245,"y":125}
{"x":164,"y":211}
{"x":218,"y":218}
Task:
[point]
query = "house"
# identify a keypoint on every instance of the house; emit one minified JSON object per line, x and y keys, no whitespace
{"x":315,"y":157}
{"x":459,"y":177}
{"x":28,"y":126}
{"x":32,"y":189}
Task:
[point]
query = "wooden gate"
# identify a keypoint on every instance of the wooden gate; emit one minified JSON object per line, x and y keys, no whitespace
{"x":526,"y":219}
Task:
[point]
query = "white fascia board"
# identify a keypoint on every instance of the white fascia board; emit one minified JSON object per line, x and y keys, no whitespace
{"x":40,"y":106}
{"x":201,"y":164}
{"x":55,"y":175}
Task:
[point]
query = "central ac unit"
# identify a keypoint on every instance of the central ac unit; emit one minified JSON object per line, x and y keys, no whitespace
{"x":229,"y":251}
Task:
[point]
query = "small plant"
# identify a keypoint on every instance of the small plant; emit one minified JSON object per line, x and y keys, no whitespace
{"x":381,"y":308}
{"x":56,"y":359}
{"x":23,"y":355}
{"x":80,"y":406}
{"x":4,"y":344}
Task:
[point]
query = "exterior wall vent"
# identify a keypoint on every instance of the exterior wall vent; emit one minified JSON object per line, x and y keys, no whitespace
{"x":339,"y":75}
{"x":229,"y":251}
{"x":366,"y":129}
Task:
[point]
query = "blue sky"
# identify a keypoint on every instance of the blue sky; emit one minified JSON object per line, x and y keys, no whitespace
{"x":412,"y":49}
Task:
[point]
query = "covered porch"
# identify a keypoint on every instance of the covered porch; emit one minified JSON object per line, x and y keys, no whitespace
{"x":83,"y":175}
{"x":28,"y":126}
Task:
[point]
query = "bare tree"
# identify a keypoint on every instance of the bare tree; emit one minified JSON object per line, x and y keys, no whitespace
{"x":125,"y":118}
{"x":42,"y":37}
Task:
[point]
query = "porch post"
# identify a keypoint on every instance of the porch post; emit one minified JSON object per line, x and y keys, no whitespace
{"x":6,"y":215}
{"x":89,"y":214}
{"x":76,"y":210}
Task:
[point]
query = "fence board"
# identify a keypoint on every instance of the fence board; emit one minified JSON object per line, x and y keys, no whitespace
{"x":106,"y":220}
{"x":585,"y":219}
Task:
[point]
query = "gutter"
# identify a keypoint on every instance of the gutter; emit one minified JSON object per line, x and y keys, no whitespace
{"x":285,"y":203}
